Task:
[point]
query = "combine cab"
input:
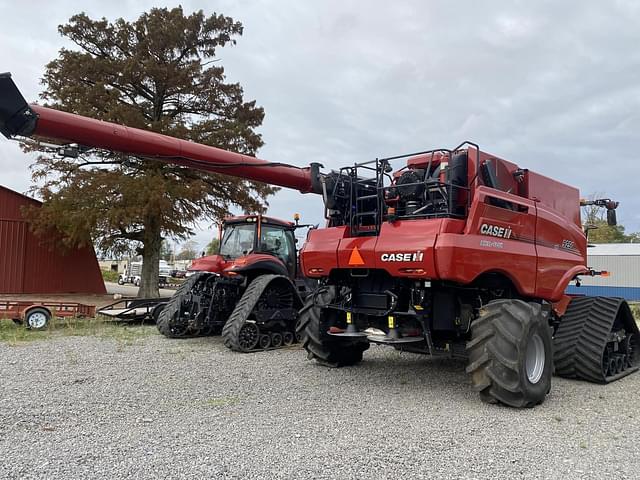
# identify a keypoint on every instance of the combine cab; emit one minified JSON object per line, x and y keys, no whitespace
{"x":451,"y":252}
{"x":248,"y":292}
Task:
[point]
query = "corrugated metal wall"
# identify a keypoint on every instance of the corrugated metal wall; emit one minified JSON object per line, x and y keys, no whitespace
{"x":29,"y":266}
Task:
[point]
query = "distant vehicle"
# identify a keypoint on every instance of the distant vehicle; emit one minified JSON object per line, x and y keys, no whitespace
{"x":133,"y":274}
{"x":178,"y":273}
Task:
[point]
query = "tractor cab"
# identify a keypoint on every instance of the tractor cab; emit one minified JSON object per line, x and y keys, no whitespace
{"x":252,"y":242}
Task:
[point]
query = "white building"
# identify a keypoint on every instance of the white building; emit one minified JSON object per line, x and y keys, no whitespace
{"x":622,"y":261}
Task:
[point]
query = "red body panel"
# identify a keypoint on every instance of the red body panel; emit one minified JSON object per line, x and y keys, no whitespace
{"x":538,"y":245}
{"x":217,"y":264}
{"x":210,"y":263}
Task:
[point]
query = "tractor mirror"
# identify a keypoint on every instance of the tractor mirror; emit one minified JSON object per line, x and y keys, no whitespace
{"x":612,"y":220}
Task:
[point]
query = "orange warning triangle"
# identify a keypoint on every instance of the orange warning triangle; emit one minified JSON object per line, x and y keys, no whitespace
{"x":355,"y":258}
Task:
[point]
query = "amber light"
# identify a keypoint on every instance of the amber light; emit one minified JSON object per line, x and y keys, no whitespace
{"x":315,"y":270}
{"x":413,"y":271}
{"x":604,"y":273}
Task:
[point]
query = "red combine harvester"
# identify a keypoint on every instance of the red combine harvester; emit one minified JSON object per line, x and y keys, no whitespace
{"x":452,"y":252}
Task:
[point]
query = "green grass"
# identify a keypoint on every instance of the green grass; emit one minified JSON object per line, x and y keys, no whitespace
{"x":125,"y":334}
{"x":110,"y":276}
{"x":222,"y":402}
{"x":635,"y":309}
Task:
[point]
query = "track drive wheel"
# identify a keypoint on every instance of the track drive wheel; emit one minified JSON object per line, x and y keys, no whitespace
{"x":510,"y":353}
{"x":314,"y":321}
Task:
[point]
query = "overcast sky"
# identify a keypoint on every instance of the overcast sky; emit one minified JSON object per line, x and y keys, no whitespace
{"x":552,"y":86}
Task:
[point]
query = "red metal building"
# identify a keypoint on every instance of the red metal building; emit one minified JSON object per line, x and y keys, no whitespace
{"x":29,"y":266}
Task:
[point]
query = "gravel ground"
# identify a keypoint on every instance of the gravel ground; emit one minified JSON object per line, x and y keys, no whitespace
{"x":86,"y":407}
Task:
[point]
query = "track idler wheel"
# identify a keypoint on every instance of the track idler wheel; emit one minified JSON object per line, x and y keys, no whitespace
{"x":265,"y":341}
{"x":276,"y":339}
{"x":288,"y":338}
{"x":248,"y":336}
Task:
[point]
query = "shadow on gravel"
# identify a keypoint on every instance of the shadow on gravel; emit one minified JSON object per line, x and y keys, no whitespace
{"x":405,"y":373}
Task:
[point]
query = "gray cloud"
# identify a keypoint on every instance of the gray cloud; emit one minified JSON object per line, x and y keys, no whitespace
{"x":552,"y":86}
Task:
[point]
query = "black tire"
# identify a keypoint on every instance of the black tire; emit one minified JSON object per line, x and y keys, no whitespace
{"x":169,"y":323}
{"x":501,"y":363}
{"x":120,"y":281}
{"x":312,"y":328}
{"x":156,"y":311}
{"x":37,"y":318}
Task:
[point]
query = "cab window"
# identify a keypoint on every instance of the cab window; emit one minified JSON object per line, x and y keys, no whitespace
{"x":237,"y":240}
{"x":279,"y":242}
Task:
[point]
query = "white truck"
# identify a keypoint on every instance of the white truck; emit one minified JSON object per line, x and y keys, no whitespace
{"x":133,"y":274}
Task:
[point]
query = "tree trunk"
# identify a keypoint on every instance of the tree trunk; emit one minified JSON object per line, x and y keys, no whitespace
{"x":151,"y":259}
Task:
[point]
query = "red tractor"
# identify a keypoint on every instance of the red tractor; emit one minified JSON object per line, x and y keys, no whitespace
{"x":250,"y":291}
{"x":451,"y":252}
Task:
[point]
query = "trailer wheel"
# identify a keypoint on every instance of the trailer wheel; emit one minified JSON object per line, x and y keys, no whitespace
{"x":511,"y":354}
{"x":37,"y":318}
{"x":312,"y":329}
{"x":156,"y":311}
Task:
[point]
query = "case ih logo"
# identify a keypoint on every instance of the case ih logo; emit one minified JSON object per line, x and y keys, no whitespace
{"x":495,"y":231}
{"x":402,"y":257}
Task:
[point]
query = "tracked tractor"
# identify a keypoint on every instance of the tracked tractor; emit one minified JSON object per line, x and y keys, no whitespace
{"x":447,"y":252}
{"x":250,"y":291}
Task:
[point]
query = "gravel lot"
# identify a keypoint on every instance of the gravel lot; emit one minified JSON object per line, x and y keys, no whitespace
{"x":88,"y":407}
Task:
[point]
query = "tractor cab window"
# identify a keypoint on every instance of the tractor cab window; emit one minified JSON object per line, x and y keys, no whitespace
{"x":237,"y":240}
{"x":278,"y":242}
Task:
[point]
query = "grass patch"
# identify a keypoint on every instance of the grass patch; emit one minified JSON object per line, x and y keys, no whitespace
{"x":222,"y":402}
{"x":125,"y":334}
{"x":110,"y":276}
{"x":635,"y":309}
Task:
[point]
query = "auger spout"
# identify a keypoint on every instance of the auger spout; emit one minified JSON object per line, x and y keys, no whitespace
{"x":18,"y":118}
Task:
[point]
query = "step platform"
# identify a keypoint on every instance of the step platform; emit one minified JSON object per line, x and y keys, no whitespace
{"x":386,"y":340}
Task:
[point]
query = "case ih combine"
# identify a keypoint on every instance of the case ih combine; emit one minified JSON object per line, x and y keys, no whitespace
{"x":444,"y":252}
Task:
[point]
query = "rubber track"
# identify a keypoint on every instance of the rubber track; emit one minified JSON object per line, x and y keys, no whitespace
{"x":329,"y":352}
{"x":174,"y":304}
{"x":244,"y":307}
{"x":582,"y":336}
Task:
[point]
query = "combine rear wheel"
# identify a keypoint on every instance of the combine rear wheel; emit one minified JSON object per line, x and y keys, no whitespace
{"x":312,"y":328}
{"x":510,"y":353}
